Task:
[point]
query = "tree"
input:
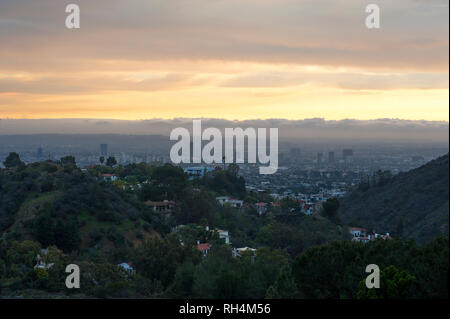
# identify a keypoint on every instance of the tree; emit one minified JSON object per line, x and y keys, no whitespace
{"x":44,"y":230}
{"x":330,"y":209}
{"x":111,"y":161}
{"x":158,"y":259}
{"x":184,"y":280}
{"x":13,"y":160}
{"x":67,"y":160}
{"x":67,"y":236}
{"x":217,"y":277}
{"x":233,"y":169}
{"x":102,"y":159}
{"x":284,"y":287}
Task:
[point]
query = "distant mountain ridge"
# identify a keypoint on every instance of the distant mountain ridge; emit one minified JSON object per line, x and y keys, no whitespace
{"x":412,"y":204}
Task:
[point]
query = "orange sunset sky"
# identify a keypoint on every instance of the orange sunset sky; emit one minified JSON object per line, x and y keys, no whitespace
{"x":227,"y":59}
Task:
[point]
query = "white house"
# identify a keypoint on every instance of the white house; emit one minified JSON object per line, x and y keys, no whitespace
{"x":357,"y":231}
{"x":237,"y":252}
{"x":127,"y":267}
{"x":41,"y":261}
{"x":223,"y":234}
{"x":222,"y":199}
{"x":235,"y":203}
{"x":109,"y":177}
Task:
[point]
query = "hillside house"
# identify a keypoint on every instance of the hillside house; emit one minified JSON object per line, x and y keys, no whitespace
{"x":235,"y":203}
{"x":42,"y":260}
{"x":204,"y":248}
{"x":109,"y":177}
{"x":237,"y":252}
{"x":165,"y":206}
{"x":223,"y":234}
{"x":127,"y":266}
{"x":357,"y":231}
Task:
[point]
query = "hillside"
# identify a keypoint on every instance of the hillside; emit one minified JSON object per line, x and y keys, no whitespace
{"x":77,"y":216}
{"x":412,"y":204}
{"x":60,"y":205}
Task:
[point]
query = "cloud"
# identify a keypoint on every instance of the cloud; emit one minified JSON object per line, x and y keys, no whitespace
{"x":93,"y":83}
{"x":298,"y":32}
{"x":381,"y":130}
{"x":347,"y":80}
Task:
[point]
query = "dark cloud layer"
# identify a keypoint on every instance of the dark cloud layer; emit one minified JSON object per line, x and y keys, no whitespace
{"x":372,"y":130}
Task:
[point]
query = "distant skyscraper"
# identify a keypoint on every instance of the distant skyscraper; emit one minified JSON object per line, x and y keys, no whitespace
{"x":331,"y":157}
{"x":347,"y":154}
{"x":319,"y":158}
{"x":39,"y":153}
{"x":104,"y":149}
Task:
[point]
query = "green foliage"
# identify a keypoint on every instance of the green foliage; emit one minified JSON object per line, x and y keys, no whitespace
{"x":67,"y":160}
{"x":335,"y":270}
{"x":99,"y":225}
{"x":296,"y":233}
{"x":330,"y":209}
{"x":219,"y":275}
{"x":22,"y":253}
{"x":225,"y":182}
{"x":284,"y":287}
{"x":111,"y":161}
{"x":64,"y":234}
{"x":159,"y":259}
{"x":184,"y":280}
{"x":13,"y":160}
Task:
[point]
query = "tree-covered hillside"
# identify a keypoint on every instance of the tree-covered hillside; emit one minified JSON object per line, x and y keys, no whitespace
{"x":412,"y":204}
{"x":105,"y":216}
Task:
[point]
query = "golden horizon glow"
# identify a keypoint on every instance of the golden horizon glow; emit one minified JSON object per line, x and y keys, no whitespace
{"x":209,"y":100}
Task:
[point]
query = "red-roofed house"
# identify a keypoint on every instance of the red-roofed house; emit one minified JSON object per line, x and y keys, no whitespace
{"x":357,"y":231}
{"x":204,"y":248}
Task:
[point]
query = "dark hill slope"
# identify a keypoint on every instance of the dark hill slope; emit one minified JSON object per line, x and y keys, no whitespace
{"x":412,"y":204}
{"x":60,"y":205}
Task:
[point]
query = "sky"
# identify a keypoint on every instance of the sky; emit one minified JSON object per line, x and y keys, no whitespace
{"x":229,"y":59}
